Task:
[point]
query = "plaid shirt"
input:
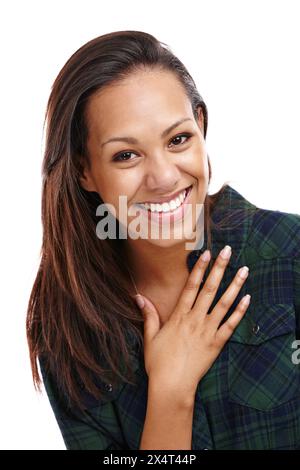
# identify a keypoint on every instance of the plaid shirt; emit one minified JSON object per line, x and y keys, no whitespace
{"x":250,"y":397}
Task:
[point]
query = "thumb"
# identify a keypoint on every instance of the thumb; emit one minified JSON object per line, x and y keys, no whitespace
{"x":151,"y":317}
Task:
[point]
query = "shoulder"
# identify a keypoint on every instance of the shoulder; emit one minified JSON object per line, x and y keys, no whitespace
{"x":275,"y":233}
{"x":263,"y":233}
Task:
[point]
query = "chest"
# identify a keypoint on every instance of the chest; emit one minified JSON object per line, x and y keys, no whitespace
{"x":164,"y":301}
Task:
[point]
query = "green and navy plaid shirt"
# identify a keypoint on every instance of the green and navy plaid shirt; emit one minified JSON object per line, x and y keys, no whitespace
{"x":250,"y":397}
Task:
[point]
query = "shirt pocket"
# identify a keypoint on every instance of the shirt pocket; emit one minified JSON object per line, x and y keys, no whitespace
{"x":261,"y":371}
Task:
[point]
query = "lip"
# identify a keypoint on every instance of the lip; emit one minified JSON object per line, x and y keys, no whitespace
{"x":171,"y":216}
{"x":164,"y":199}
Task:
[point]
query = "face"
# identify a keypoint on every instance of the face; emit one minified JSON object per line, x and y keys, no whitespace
{"x":149,"y":159}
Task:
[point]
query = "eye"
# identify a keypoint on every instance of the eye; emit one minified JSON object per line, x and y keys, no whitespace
{"x":119,"y":156}
{"x":179,"y":136}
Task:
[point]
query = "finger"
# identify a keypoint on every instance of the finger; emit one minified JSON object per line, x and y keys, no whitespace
{"x":229,"y":296}
{"x":151,"y":317}
{"x":211,"y":285}
{"x":191,"y":288}
{"x":226,"y":330}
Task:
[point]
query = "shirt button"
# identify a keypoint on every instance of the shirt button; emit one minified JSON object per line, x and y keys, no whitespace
{"x":255,"y":329}
{"x":108,"y":387}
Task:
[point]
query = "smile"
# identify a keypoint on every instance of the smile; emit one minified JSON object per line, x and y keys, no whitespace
{"x":167,"y":206}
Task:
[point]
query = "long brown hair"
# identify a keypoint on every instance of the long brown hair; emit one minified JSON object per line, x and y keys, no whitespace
{"x":81,"y":316}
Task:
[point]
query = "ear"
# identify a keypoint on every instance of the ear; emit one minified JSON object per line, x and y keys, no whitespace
{"x":86,"y":179}
{"x":200,"y":119}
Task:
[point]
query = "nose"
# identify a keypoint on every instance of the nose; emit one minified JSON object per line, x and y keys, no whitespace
{"x":161,"y":173}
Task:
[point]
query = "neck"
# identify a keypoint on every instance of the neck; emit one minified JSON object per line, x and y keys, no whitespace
{"x":156,"y":266}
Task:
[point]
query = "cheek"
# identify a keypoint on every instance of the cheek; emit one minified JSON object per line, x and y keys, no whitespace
{"x":205,"y":168}
{"x":111,"y":186}
{"x":198,"y":164}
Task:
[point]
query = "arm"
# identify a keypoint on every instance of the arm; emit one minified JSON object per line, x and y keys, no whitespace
{"x":297,"y":294}
{"x":168,"y":423}
{"x":296,"y":270}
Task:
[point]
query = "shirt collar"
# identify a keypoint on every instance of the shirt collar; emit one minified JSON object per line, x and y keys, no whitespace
{"x":236,"y":231}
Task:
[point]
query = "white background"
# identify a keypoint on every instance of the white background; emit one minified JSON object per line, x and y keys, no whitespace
{"x":244,"y":57}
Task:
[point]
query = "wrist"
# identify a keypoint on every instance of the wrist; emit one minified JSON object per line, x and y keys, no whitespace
{"x":171,"y":396}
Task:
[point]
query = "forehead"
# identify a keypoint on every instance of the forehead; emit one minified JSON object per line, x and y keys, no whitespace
{"x":153,"y":97}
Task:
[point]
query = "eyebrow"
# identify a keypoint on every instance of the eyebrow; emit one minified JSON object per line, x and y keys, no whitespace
{"x":132,"y":140}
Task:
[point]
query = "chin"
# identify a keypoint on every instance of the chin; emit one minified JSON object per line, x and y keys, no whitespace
{"x":165,"y":243}
{"x":172,"y":240}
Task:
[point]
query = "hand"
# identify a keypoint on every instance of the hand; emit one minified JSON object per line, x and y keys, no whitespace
{"x":180,"y":353}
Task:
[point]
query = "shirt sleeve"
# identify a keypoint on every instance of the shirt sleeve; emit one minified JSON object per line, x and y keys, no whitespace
{"x":94,"y":429}
{"x":296,"y":274}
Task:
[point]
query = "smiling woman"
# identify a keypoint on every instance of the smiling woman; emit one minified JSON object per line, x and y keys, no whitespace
{"x":163,"y":162}
{"x":185,"y":364}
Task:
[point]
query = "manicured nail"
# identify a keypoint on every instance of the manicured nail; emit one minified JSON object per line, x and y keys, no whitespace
{"x":205,"y":256}
{"x":243,"y":272}
{"x":246,"y":300}
{"x":226,"y":252}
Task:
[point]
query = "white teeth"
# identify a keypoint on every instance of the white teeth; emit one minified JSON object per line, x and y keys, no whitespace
{"x":166,"y":206}
{"x":173,"y":205}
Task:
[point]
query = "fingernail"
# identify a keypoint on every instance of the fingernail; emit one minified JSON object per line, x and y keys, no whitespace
{"x":243,"y":272}
{"x":140,"y":301}
{"x":226,"y":252}
{"x":246,"y":300}
{"x":205,"y":256}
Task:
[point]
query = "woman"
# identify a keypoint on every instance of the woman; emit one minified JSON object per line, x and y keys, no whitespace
{"x":189,"y":369}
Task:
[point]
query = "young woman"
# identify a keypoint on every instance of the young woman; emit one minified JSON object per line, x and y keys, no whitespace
{"x":194,"y":366}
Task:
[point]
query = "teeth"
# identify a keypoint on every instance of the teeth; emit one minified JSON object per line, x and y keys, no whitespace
{"x":173,"y":205}
{"x":166,"y":206}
